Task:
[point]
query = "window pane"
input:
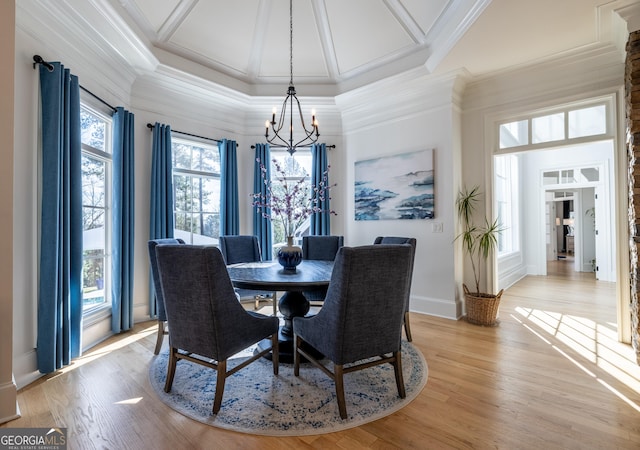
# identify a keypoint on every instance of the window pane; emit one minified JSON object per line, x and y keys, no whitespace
{"x":93,"y":130}
{"x":211,"y":195}
{"x":181,"y":154}
{"x":567,"y":176}
{"x":588,"y":121}
{"x":590,"y":174}
{"x":514,"y":134}
{"x":93,"y":293}
{"x":96,"y":169}
{"x":551,"y":177}
{"x":93,"y":181}
{"x":196,"y":185}
{"x":548,"y":128}
{"x":182,"y":193}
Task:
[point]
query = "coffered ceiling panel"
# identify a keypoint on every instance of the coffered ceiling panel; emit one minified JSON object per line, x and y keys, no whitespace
{"x":338,"y":45}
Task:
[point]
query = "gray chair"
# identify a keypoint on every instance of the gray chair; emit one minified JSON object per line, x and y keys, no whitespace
{"x":207,"y":323}
{"x":322,"y":248}
{"x":412,"y":242}
{"x":245,"y":248}
{"x":162,"y":316}
{"x":348,"y":329}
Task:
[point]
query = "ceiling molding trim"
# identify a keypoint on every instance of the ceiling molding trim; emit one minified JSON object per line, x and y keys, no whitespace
{"x":452,"y":24}
{"x":396,"y":98}
{"x":117,"y":35}
{"x":175,"y":19}
{"x":591,"y":68}
{"x":98,"y":70}
{"x":406,"y":21}
{"x":259,"y":38}
{"x":326,"y":39}
{"x":629,"y":10}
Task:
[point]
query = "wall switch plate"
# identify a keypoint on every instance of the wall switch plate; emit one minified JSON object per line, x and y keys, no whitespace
{"x":436,"y":227}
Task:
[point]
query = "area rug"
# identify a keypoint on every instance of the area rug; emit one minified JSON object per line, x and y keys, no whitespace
{"x":257,"y":402}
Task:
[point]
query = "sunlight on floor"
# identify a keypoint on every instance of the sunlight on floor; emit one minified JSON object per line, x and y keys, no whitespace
{"x":105,"y":349}
{"x":595,"y":343}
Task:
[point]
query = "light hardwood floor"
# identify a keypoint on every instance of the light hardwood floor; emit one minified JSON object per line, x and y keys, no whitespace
{"x":551,"y":375}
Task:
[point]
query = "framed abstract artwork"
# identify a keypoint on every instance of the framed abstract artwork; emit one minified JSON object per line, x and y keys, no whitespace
{"x":395,"y":187}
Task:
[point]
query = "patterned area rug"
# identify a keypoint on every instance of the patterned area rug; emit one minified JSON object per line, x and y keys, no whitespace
{"x":257,"y":402}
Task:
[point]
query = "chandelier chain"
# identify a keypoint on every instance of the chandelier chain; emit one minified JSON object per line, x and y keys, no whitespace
{"x":291,"y":41}
{"x":279,"y":138}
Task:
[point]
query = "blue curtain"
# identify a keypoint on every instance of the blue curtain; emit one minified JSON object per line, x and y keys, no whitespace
{"x":60,"y":277}
{"x":123,"y":214}
{"x":320,"y":221}
{"x":229,"y":208}
{"x":161,"y":208}
{"x":261,"y":224}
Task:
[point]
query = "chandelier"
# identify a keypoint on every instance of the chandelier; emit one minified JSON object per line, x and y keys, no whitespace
{"x":309,"y":136}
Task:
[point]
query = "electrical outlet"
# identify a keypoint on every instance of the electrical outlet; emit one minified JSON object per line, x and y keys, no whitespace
{"x":436,"y":227}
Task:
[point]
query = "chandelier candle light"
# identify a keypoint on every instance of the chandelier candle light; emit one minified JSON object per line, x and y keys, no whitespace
{"x":309,"y":136}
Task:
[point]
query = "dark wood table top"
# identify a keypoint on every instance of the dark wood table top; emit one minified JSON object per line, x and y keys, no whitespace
{"x":269,"y":275}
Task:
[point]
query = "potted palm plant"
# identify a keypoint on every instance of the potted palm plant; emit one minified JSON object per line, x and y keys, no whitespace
{"x":478,"y":242}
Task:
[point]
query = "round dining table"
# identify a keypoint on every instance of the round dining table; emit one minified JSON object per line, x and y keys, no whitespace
{"x":270,"y":276}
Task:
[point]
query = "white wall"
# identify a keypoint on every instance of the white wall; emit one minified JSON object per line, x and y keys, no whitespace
{"x":429,"y":121}
{"x":8,"y":406}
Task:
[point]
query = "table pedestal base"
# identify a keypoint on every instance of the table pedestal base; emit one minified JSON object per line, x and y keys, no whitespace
{"x":292,"y":304}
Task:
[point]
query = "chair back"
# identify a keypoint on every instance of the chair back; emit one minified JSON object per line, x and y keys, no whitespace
{"x":401,"y":240}
{"x":321,"y":247}
{"x":155,"y":276}
{"x":202,"y":310}
{"x":239,"y":249}
{"x":362,"y":319}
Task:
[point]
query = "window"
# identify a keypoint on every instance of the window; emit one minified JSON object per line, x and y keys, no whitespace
{"x":514,"y":134}
{"x":506,"y":197}
{"x":295,"y":168}
{"x":196,"y":191}
{"x":563,"y":125}
{"x":96,"y":184}
{"x":588,"y":121}
{"x":547,"y":128}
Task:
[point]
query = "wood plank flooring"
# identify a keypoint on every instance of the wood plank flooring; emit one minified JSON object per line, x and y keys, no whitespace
{"x":551,"y":376}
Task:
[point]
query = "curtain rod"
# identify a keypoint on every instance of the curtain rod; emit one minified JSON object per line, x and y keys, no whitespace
{"x":302,"y":146}
{"x":151,"y":126}
{"x":37,"y":59}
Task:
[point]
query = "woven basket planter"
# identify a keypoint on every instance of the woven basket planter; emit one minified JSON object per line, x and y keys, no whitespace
{"x":482,"y":309}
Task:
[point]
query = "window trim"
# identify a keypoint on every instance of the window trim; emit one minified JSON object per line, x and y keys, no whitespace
{"x":566,"y":109}
{"x":190,"y":173}
{"x":95,"y":313}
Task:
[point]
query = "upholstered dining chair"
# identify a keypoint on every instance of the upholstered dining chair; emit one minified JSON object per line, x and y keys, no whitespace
{"x":412,"y":242}
{"x":207,"y":323}
{"x":245,"y":248}
{"x":322,"y":248}
{"x":162,"y":316}
{"x":347,"y":329}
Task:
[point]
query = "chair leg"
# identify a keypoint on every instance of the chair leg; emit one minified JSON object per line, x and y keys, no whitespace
{"x":296,"y":355}
{"x":339,"y":380}
{"x":407,"y":326}
{"x":171,"y":369}
{"x":222,"y":375}
{"x":397,"y":367}
{"x":275,"y":304}
{"x":161,"y":333}
{"x":275,"y":354}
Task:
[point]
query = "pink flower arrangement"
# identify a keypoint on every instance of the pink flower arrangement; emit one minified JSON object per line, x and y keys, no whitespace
{"x":291,"y":201}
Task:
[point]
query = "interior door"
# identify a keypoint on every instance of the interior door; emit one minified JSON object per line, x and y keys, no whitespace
{"x":550,"y":228}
